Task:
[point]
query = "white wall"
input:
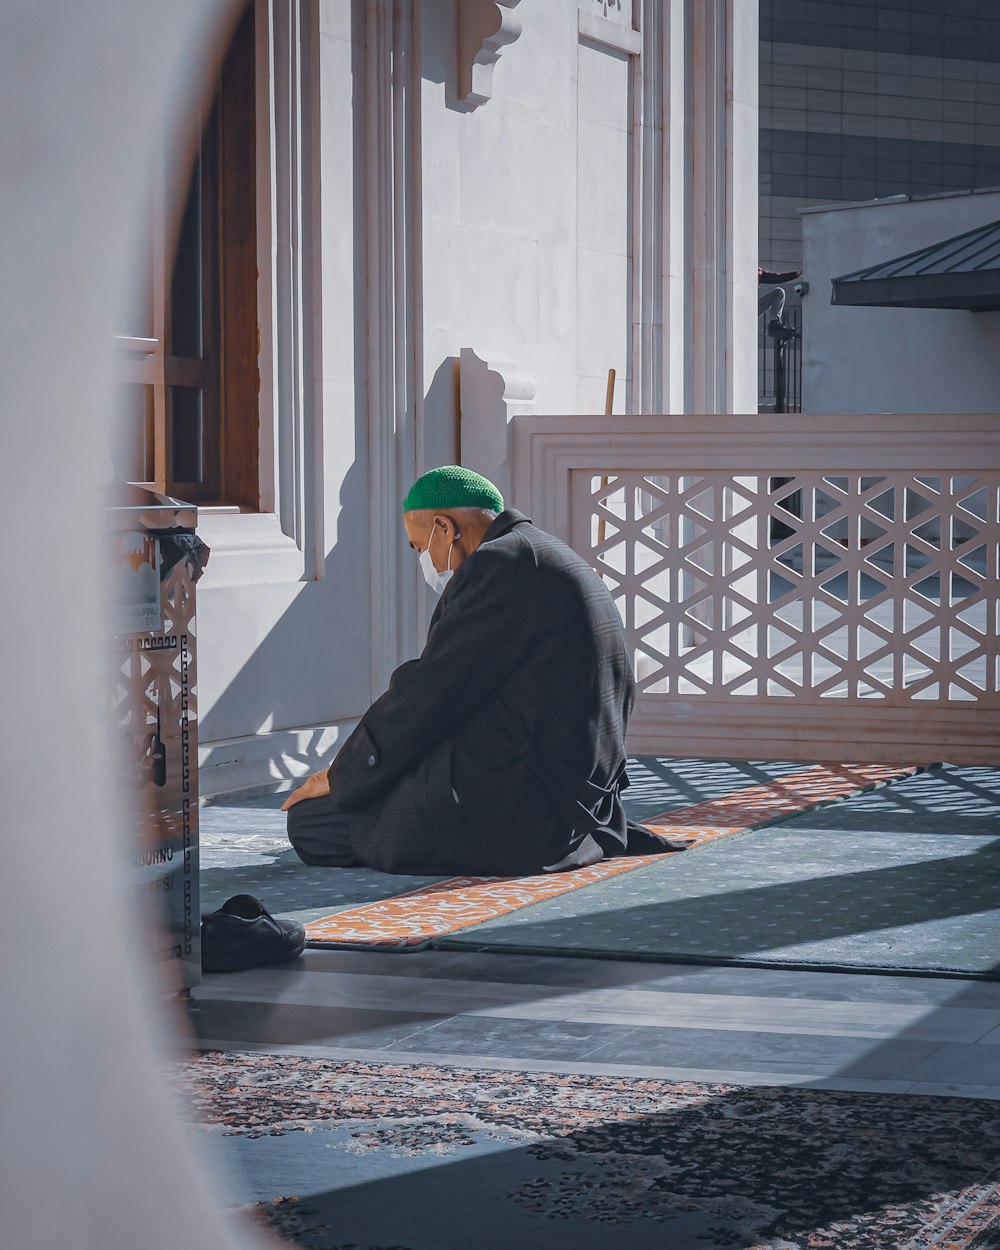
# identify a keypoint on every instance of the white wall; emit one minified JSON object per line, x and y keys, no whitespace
{"x":893,"y":359}
{"x":551,"y":226}
{"x":526,"y":216}
{"x":281,"y":649}
{"x":598,"y":212}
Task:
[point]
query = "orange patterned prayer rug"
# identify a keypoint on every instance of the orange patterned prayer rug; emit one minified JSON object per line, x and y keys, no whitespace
{"x":412,"y":920}
{"x":750,"y":809}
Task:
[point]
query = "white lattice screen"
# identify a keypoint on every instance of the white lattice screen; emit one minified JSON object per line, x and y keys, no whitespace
{"x":792,"y":608}
{"x":818,"y":587}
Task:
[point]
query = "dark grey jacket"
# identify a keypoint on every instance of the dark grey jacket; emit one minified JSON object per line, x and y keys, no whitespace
{"x":518,"y":705}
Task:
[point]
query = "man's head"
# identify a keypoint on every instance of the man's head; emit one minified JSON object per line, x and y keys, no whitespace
{"x":447,"y":512}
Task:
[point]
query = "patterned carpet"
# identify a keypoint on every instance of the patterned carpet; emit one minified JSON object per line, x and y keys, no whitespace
{"x":363,"y":1156}
{"x":411,"y":920}
{"x":243,"y":846}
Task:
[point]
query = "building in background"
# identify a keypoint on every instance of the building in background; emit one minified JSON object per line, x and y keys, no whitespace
{"x":907,"y":333}
{"x":864,"y":100}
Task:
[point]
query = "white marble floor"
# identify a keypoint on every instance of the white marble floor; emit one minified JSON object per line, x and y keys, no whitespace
{"x":891,"y":1034}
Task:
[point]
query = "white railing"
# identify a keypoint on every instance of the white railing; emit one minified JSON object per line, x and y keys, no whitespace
{"x":792,"y":586}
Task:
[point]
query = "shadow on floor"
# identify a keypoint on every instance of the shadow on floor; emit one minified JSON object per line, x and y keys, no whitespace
{"x":435,"y":1159}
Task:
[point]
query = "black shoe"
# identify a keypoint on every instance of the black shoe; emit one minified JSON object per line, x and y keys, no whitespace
{"x":241,"y":934}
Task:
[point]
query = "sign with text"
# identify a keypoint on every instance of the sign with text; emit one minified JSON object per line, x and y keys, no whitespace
{"x":136,"y":597}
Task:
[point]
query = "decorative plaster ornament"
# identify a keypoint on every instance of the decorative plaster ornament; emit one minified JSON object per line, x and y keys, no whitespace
{"x":485,"y":27}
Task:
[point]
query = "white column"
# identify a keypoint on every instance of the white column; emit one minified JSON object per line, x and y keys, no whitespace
{"x":677,"y":189}
{"x":650,"y":211}
{"x":742,"y":201}
{"x":395,"y":385}
{"x":721,"y":235}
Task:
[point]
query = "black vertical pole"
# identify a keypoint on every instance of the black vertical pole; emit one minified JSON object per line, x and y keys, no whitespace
{"x":779,"y":373}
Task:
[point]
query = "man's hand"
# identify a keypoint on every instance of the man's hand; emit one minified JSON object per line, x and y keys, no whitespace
{"x":314,"y":787}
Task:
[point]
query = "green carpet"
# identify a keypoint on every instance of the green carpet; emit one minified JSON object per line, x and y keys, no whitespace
{"x":904,"y":879}
{"x":244,"y":848}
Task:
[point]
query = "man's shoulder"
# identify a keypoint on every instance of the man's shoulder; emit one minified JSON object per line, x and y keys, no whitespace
{"x":517,"y":555}
{"x":548,"y":557}
{"x":527,"y":542}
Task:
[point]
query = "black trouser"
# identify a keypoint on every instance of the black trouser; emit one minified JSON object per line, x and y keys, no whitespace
{"x":320,"y":833}
{"x":321,"y":836}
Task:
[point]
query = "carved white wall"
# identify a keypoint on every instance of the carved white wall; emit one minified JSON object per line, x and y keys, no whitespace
{"x":393,"y":249}
{"x":485,"y":28}
{"x":827,"y":590}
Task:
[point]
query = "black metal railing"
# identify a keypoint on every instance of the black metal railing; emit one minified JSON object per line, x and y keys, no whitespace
{"x":769,"y":389}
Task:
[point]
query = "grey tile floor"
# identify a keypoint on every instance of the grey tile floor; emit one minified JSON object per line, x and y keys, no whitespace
{"x":891,"y":1034}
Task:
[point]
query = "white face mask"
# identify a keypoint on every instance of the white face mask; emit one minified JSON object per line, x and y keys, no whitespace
{"x":437,"y":581}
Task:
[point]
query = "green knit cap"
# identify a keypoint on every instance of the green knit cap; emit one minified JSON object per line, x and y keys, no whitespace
{"x":451,"y":486}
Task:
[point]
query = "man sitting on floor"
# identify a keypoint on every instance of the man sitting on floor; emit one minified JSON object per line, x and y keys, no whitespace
{"x":501,"y":750}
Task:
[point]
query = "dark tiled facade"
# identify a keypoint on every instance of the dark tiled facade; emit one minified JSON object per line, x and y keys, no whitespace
{"x":966,"y":30}
{"x":867,"y":100}
{"x":822,"y":167}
